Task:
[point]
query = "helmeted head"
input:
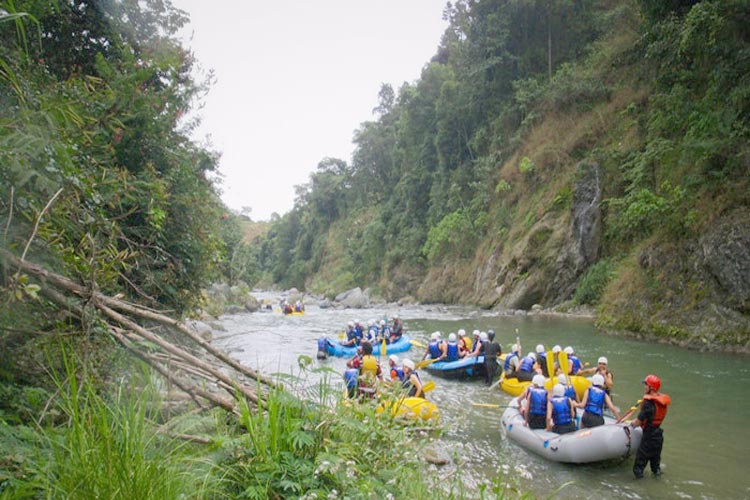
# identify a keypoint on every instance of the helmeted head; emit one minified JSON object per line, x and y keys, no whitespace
{"x":558,"y":390}
{"x":597,"y":380}
{"x":482,"y":335}
{"x":325,"y":336}
{"x":568,"y":350}
{"x":602,"y":361}
{"x":461,"y":332}
{"x":370,"y":322}
{"x":562,"y":379}
{"x":395,"y":316}
{"x":515,"y":348}
{"x":382,"y":322}
{"x":435,"y":335}
{"x":556,"y":350}
{"x":452,"y":337}
{"x":540,"y":348}
{"x":394,"y":359}
{"x":475,"y":333}
{"x":531,"y":355}
{"x":351,"y":324}
{"x":409,"y":364}
{"x":491,"y":334}
{"x":653,"y":382}
{"x":538,"y":380}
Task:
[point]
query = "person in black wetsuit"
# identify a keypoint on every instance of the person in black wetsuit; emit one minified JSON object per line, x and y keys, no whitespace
{"x":491,"y":352}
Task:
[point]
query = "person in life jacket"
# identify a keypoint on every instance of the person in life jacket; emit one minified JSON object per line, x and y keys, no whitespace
{"x":384,"y":332}
{"x":452,"y":349}
{"x":574,"y":362}
{"x":536,"y":404}
{"x":412,"y":381}
{"x":464,"y":344}
{"x":436,"y":349}
{"x":570,"y":391}
{"x":561,"y":413}
{"x":369,"y":371}
{"x":653,"y":411}
{"x":397,"y":372}
{"x":323,"y":344}
{"x":351,"y":335}
{"x":397,"y":330}
{"x":512,"y":362}
{"x":541,"y":360}
{"x":351,"y":376}
{"x":526,"y":370}
{"x":593,"y":403}
{"x":602,"y":368}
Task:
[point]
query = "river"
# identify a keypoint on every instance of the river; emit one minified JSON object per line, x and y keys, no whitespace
{"x":706,"y":433}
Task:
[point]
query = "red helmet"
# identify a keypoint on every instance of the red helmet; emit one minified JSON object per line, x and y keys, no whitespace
{"x":653,"y":382}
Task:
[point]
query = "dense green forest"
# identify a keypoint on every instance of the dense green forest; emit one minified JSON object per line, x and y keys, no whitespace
{"x":557,"y":153}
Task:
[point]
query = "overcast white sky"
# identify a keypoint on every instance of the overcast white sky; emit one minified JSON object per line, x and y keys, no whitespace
{"x":295,"y":78}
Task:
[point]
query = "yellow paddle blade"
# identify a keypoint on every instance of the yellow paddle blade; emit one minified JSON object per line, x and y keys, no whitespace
{"x":341,"y":335}
{"x":418,"y":344}
{"x":424,"y":362}
{"x":485,"y":405}
{"x":382,"y":349}
{"x":550,"y":364}
{"x":564,"y":366}
{"x":428,"y":386}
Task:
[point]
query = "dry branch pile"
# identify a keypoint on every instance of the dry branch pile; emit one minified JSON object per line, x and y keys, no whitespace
{"x":193,"y":365}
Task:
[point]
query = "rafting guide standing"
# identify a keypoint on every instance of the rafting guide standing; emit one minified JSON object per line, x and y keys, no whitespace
{"x":653,"y":411}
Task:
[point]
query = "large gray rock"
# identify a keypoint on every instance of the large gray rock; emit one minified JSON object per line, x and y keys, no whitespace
{"x":204,"y":330}
{"x":354,"y":298}
{"x":252,"y":304}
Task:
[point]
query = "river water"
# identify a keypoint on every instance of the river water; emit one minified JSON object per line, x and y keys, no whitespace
{"x":706,"y":432}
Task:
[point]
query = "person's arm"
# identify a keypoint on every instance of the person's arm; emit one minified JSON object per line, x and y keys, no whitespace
{"x":426,"y":352}
{"x":611,"y":406}
{"x":418,"y":384}
{"x":443,"y":350}
{"x":549,"y":415}
{"x":583,"y":402}
{"x":608,"y":380}
{"x":645,"y":415}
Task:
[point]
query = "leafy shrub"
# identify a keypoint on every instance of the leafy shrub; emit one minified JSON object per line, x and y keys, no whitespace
{"x":593,"y":283}
{"x":526,"y":166}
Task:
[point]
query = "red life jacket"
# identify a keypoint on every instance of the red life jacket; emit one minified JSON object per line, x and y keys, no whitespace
{"x":661,"y":401}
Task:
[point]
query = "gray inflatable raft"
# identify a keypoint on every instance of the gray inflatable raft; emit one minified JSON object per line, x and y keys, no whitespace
{"x":607,"y":442}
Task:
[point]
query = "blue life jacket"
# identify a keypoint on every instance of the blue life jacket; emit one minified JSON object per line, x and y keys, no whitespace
{"x":527,"y":364}
{"x":350,"y":376}
{"x":434,"y":348}
{"x":575,"y":364}
{"x":358,"y":334}
{"x":322,"y":344}
{"x":452,"y":351}
{"x":372,"y":333}
{"x":385,"y":331}
{"x":506,"y":365}
{"x":560,"y":410}
{"x":399,"y":373}
{"x":570,"y":392}
{"x":595,"y":403}
{"x":537,"y":401}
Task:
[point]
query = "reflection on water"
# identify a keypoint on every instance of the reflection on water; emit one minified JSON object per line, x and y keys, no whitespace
{"x":706,"y":431}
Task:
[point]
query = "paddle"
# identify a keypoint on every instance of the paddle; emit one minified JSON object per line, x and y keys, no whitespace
{"x":488,"y":405}
{"x":550,"y":364}
{"x":424,"y":362}
{"x":418,"y":344}
{"x":631,"y":410}
{"x":564,"y":366}
{"x":428,"y":386}
{"x":382,"y":349}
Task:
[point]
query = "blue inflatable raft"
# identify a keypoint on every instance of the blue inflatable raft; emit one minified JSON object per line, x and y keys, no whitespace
{"x":401,"y":345}
{"x":460,"y":368}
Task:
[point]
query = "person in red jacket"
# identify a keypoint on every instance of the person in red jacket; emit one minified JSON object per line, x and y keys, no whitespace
{"x":653,"y":411}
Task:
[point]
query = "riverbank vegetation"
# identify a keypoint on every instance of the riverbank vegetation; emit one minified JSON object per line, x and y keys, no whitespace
{"x":551,"y":153}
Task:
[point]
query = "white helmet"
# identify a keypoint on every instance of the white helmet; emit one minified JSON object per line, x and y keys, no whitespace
{"x":538,"y":380}
{"x":461,"y":332}
{"x":540,"y":348}
{"x":395,"y":316}
{"x":382,"y":322}
{"x":602,"y":360}
{"x":356,"y":321}
{"x":556,"y":349}
{"x":394,"y":358}
{"x":531,"y":355}
{"x":558,"y":390}
{"x":597,"y":380}
{"x":351,"y":324}
{"x":475,"y":333}
{"x":435,"y":335}
{"x":568,"y":350}
{"x":515,"y":348}
{"x":452,"y":337}
{"x":325,"y":336}
{"x":409,"y":364}
{"x":562,"y":379}
{"x":370,"y":322}
{"x":483,"y":335}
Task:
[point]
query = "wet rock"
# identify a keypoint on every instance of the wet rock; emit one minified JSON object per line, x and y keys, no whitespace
{"x":354,"y":298}
{"x":437,"y":456}
{"x":205,"y":331}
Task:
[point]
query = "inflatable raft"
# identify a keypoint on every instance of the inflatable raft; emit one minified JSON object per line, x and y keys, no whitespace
{"x":411,"y":408}
{"x":610,"y":441}
{"x":401,"y":345}
{"x":515,"y":387}
{"x":460,"y":368}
